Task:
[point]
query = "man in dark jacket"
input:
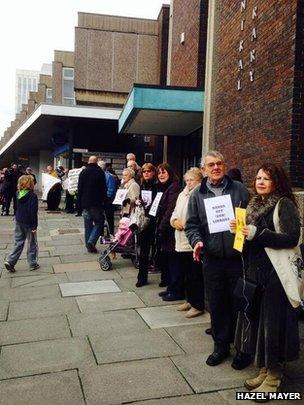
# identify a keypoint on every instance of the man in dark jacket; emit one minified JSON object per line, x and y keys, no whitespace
{"x":222,"y":264}
{"x":92,"y":194}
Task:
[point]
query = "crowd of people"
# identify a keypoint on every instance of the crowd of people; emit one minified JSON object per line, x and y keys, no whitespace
{"x":196,"y":265}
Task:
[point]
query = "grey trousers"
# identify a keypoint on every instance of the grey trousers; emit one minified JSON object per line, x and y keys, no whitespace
{"x":22,"y":233}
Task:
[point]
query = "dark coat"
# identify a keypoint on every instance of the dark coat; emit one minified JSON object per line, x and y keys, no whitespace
{"x":27,"y":210}
{"x":272,"y":335}
{"x":164,"y":231}
{"x":216,"y":244}
{"x":92,"y":189}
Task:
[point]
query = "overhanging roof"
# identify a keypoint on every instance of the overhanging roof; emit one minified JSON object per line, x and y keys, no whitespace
{"x":36,"y":132}
{"x":155,"y":110}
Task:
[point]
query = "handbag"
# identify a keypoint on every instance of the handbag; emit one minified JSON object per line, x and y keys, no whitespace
{"x":246,"y":294}
{"x":288,"y":263}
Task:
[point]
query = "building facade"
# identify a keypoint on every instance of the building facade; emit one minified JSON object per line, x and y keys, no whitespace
{"x":26,"y":81}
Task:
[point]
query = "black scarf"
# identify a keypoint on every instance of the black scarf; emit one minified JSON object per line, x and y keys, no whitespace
{"x":258,"y":207}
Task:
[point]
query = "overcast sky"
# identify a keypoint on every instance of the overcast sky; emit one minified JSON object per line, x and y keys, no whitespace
{"x":30,"y":31}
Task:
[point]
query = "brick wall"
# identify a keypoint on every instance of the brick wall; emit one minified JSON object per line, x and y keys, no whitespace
{"x":255,"y":124}
{"x":297,"y":141}
{"x":188,"y":59}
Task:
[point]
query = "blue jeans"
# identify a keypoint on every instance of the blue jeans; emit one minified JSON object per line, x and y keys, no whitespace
{"x":22,"y":233}
{"x":93,"y":222}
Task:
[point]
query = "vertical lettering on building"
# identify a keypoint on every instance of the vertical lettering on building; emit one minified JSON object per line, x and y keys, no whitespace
{"x":247,"y":59}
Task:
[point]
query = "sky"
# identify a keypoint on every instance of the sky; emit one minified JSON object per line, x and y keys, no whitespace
{"x":31,"y":30}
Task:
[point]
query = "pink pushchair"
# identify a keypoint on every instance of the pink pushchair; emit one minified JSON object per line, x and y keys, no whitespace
{"x":124,"y":241}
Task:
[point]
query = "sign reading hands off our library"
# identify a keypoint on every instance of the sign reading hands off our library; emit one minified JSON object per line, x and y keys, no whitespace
{"x":219,"y":212}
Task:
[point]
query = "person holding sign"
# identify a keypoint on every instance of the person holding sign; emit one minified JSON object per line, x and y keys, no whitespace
{"x":207,"y":228}
{"x":132,"y":194}
{"x":271,"y":334}
{"x":147,"y":236}
{"x":165,"y":240}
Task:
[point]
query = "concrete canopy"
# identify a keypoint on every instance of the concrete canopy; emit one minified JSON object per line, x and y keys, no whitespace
{"x":36,"y":132}
{"x":155,"y":110}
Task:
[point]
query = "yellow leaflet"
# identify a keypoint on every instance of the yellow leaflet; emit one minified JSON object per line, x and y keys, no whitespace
{"x":240,"y":216}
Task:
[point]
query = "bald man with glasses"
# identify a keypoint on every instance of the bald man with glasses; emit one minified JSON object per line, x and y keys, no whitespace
{"x":222,"y":265}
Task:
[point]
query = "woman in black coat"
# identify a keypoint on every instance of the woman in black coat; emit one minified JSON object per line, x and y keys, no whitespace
{"x":271,"y":333}
{"x":168,"y":185}
{"x":147,"y":236}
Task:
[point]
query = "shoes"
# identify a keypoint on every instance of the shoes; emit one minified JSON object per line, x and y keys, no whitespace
{"x":126,"y":256}
{"x":163,"y":293}
{"x":141,"y":283}
{"x":77,"y":215}
{"x":91,"y":248}
{"x":193,"y":312}
{"x":173,"y":297}
{"x":217,"y":357}
{"x":184,"y":307}
{"x":255,"y":382}
{"x":9,"y":267}
{"x":272,"y":383}
{"x":35,"y":267}
{"x":241,"y":361}
{"x":208,"y":331}
{"x":163,"y":284}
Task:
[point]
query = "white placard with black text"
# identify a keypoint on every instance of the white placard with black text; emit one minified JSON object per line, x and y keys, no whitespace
{"x":219,"y":211}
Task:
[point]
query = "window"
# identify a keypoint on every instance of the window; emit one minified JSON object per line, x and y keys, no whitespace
{"x":49,"y":96}
{"x":68,"y":94}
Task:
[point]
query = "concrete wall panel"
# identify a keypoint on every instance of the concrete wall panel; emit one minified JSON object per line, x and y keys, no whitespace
{"x":148,"y":60}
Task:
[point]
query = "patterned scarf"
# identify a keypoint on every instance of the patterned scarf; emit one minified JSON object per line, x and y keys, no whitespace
{"x":258,"y":207}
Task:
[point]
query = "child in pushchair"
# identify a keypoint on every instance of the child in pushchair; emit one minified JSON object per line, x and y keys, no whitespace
{"x":125,"y":242}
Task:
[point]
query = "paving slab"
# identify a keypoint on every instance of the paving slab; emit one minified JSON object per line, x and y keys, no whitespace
{"x":31,"y":293}
{"x":115,"y":322}
{"x":44,"y":269}
{"x":151,"y":298}
{"x":192,"y":338}
{"x":42,"y":357}
{"x":3,"y":246}
{"x":203,"y":378}
{"x":198,"y":399}
{"x":136,"y":380}
{"x":90,"y":275}
{"x":166,"y":316}
{"x":109,"y":302}
{"x":4,"y":282}
{"x":36,"y":281}
{"x":88,"y":287}
{"x":71,"y":267}
{"x":145,"y":344}
{"x":43,"y":261}
{"x":31,"y":330}
{"x":42,"y":254}
{"x":64,"y":242}
{"x":70,"y":249}
{"x":42,"y":308}
{"x":3,"y":309}
{"x":49,"y":389}
{"x":79,"y":258}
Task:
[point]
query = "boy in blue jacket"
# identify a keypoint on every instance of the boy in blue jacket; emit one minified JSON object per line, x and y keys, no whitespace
{"x":26,"y":225}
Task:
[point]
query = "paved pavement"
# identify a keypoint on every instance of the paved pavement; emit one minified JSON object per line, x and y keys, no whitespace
{"x":73,"y":334}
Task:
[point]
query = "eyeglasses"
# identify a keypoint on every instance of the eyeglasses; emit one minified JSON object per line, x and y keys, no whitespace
{"x":146,"y":171}
{"x":212,"y":164}
{"x":259,"y":178}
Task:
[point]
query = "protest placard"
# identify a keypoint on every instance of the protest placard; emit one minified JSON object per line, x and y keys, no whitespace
{"x":120,"y":196}
{"x":146,"y":196}
{"x":48,"y":182}
{"x":73,"y":177}
{"x":219,"y":213}
{"x":240,"y":216}
{"x":155,"y":204}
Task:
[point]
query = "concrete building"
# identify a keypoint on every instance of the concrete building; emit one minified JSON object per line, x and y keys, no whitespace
{"x":26,"y":81}
{"x":202,"y":75}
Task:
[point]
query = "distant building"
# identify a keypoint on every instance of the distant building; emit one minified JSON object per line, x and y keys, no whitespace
{"x":26,"y":81}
